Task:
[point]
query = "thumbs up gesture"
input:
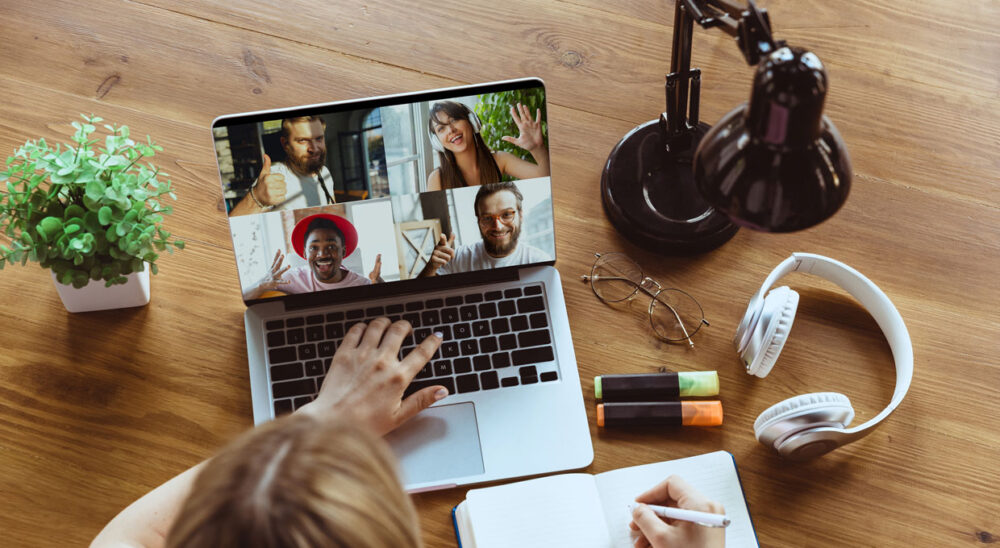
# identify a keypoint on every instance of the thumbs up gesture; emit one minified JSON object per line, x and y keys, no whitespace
{"x":270,"y":187}
{"x":443,"y":252}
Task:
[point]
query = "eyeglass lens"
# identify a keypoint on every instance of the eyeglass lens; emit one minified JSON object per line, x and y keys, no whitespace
{"x":675,"y":315}
{"x":615,"y":277}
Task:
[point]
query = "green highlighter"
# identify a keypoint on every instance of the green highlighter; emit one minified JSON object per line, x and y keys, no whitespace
{"x":654,"y":387}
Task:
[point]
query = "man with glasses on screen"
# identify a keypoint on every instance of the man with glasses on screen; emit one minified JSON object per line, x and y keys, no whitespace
{"x":301,"y":180}
{"x":498,"y":210}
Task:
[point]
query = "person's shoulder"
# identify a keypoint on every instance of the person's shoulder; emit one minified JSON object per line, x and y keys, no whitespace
{"x":352,"y":278}
{"x":532,"y":254}
{"x":434,"y":179}
{"x":281,"y":167}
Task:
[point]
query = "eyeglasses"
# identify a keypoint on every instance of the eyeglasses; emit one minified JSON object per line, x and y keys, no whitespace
{"x":506,"y":217}
{"x":674,"y":315}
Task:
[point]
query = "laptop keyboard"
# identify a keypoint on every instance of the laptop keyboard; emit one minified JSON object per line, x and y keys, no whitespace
{"x":492,"y":340}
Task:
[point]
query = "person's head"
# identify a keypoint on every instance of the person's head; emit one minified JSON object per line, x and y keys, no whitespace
{"x":498,"y":211}
{"x":297,"y":482}
{"x":454,"y":127}
{"x":324,"y":248}
{"x":304,"y":141}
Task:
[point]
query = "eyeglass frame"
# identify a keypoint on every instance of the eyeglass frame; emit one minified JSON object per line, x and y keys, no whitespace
{"x":494,"y":218}
{"x":641,"y":286}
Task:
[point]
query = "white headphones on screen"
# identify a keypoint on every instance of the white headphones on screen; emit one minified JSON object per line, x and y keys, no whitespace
{"x":811,"y":425}
{"x":473,"y":120}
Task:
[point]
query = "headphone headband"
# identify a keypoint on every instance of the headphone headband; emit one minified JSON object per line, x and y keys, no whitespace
{"x":873,"y":299}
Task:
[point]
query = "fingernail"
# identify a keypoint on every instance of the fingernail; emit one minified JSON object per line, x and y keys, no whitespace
{"x":441,"y":393}
{"x":439,"y":334}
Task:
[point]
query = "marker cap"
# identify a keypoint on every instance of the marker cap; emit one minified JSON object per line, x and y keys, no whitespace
{"x":698,"y":383}
{"x":701,"y":413}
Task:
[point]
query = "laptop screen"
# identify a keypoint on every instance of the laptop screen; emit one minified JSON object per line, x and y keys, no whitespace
{"x":332,"y":197}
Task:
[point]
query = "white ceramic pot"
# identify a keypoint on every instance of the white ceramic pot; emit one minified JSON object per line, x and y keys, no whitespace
{"x":94,"y":296}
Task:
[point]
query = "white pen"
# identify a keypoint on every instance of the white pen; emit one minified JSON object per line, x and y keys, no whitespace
{"x":701,"y":518}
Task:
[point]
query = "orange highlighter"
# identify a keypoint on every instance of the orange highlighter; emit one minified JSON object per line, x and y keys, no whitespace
{"x":672,"y":413}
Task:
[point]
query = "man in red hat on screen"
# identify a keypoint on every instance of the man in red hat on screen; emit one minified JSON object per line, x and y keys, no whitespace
{"x":324,"y":240}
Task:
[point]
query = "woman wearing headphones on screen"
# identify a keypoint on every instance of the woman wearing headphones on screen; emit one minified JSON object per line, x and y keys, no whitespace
{"x":467,"y":161}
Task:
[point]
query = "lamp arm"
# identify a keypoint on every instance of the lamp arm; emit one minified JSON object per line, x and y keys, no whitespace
{"x":749,"y":25}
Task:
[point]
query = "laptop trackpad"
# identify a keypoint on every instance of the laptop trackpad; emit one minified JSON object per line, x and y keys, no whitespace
{"x":441,"y":443}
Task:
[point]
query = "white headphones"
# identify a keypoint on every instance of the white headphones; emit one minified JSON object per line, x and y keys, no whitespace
{"x":811,"y":425}
{"x":473,"y":120}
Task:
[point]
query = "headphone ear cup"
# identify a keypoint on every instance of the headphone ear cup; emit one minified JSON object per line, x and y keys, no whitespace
{"x":791,"y":416}
{"x":775,"y":324}
{"x":474,"y":121}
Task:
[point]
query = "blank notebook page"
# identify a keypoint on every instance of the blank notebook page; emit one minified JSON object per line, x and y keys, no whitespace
{"x":713,"y":474}
{"x":561,"y":510}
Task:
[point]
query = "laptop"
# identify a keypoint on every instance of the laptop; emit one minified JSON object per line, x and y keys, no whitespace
{"x":336,"y":211}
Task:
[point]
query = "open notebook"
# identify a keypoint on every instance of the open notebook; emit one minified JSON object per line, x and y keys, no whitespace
{"x":591,"y":511}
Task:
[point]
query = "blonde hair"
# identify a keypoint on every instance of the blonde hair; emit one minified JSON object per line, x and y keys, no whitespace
{"x":297,"y":482}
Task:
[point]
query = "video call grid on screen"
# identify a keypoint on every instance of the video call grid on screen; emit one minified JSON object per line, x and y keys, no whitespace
{"x":367,"y":166}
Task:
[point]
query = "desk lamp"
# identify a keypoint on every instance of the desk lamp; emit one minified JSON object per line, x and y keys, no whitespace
{"x":776,"y":164}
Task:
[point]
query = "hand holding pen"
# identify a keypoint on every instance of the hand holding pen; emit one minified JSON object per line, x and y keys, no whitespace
{"x":677,"y":531}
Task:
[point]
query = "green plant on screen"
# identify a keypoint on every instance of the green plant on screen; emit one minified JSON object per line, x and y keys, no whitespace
{"x":494,"y":112}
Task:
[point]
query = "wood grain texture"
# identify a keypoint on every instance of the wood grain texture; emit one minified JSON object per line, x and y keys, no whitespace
{"x":97,"y":409}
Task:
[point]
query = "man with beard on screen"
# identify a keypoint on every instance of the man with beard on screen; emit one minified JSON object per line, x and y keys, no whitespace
{"x":324,"y":241}
{"x":498,"y":210}
{"x":301,"y":180}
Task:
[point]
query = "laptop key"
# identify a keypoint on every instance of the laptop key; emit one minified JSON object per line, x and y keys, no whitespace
{"x":501,"y":359}
{"x":355,"y":314}
{"x":335,"y":317}
{"x":414,"y":386}
{"x":508,"y":342}
{"x":375,"y":311}
{"x":474,"y":298}
{"x":453,"y":301}
{"x":282,"y":407}
{"x":481,"y":328}
{"x":519,"y":323}
{"x":335,"y":331}
{"x":288,"y":389}
{"x":295,"y":336}
{"x":442,"y":368}
{"x":533,"y":290}
{"x":488,"y":310}
{"x":512,"y":292}
{"x":299,"y":402}
{"x":449,"y":350}
{"x":307,"y":351}
{"x":481,"y":362}
{"x":549,"y":376}
{"x":449,"y":315}
{"x":499,"y":325}
{"x":539,"y":320}
{"x":508,"y":381}
{"x":507,"y":308}
{"x":467,"y":383}
{"x":462,"y":330}
{"x":274,"y":324}
{"x":314,"y":368}
{"x":425,"y":372}
{"x":414,"y":306}
{"x":294,"y":322}
{"x":434,"y":303}
{"x":539,"y":354}
{"x":530,"y":304}
{"x":430,"y":317}
{"x":413,"y":318}
{"x":529,"y":380}
{"x":444,"y":330}
{"x":315,"y":333}
{"x":420,"y":334}
{"x":275,"y":339}
{"x":461,"y":365}
{"x":282,"y":355}
{"x":493,"y":295}
{"x":488,"y":345}
{"x":286,"y":372}
{"x":489,"y":380}
{"x":533,"y":338}
{"x":315,"y":319}
{"x":327,"y":349}
{"x":468,"y":313}
{"x":469,"y":347}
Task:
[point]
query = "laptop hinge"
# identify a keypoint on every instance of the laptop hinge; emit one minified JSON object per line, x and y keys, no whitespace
{"x":392,"y":289}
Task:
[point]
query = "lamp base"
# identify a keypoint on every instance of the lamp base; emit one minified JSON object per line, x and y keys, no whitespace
{"x":650,"y":196}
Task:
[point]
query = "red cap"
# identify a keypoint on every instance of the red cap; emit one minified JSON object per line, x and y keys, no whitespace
{"x":345,"y":226}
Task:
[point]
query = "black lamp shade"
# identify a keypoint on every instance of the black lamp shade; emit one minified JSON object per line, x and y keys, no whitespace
{"x":777,"y":164}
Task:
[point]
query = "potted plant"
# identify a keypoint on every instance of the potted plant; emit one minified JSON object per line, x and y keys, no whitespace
{"x":89,"y":214}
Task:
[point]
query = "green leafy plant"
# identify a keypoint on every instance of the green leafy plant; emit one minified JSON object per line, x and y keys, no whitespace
{"x":494,"y":112}
{"x":85,"y":213}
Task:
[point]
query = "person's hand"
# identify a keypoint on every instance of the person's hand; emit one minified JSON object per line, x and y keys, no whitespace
{"x":273,"y":280}
{"x":657,"y":533}
{"x":443,"y":253}
{"x":376,"y":274}
{"x":270,"y":188}
{"x":530,"y":137}
{"x":366,"y":379}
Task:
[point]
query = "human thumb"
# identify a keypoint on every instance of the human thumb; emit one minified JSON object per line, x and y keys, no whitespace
{"x":649,"y":523}
{"x":420,"y":400}
{"x":266,"y":170}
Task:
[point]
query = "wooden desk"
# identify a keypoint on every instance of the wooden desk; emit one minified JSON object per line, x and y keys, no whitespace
{"x":97,"y":409}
